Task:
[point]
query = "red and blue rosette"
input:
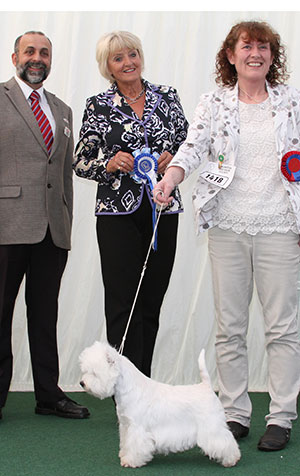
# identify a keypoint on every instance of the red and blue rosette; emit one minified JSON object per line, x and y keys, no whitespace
{"x":145,"y":168}
{"x":290,"y":166}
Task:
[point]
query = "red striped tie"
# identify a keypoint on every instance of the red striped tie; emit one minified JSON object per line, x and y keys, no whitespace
{"x":42,"y":120}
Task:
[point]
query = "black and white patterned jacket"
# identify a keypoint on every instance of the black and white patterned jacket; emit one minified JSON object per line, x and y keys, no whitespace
{"x":110,"y":125}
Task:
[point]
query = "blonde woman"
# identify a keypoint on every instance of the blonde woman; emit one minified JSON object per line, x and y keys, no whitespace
{"x":133,"y":117}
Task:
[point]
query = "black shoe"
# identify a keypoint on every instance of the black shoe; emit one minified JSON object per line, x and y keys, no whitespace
{"x":0,"y":413}
{"x":275,"y":438}
{"x":238,"y":430}
{"x":63,"y":408}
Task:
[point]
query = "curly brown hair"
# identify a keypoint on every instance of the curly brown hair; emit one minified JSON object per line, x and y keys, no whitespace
{"x":226,"y":74}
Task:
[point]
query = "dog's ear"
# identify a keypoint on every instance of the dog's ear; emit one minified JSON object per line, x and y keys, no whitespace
{"x":110,"y":359}
{"x":111,"y":355}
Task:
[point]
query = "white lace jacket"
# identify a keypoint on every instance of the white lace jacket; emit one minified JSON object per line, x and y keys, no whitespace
{"x":215,"y":131}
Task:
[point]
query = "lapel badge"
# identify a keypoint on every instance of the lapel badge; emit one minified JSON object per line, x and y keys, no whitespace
{"x":221,"y":160}
{"x":67,"y":131}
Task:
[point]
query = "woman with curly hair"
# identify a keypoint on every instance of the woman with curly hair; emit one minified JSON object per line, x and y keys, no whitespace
{"x":246,"y":136}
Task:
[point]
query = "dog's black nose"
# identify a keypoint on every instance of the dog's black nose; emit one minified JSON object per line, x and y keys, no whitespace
{"x":82,"y":383}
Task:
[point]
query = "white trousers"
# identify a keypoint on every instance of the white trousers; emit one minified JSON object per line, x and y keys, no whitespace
{"x":273,"y":262}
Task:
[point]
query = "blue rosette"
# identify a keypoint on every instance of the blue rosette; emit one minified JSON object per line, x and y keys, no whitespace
{"x":145,"y":165}
{"x":145,"y":168}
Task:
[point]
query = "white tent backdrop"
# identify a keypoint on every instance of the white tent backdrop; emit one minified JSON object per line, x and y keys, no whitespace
{"x":180,"y":49}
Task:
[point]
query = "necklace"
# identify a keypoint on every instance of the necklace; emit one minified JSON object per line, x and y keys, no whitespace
{"x":252,"y":99}
{"x":133,"y":100}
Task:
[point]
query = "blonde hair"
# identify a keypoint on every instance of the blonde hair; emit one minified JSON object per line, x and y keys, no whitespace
{"x":112,"y":42}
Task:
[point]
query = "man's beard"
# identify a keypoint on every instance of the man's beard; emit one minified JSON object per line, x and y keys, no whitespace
{"x":32,"y":77}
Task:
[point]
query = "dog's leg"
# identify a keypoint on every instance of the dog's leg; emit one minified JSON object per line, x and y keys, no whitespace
{"x":136,"y":446}
{"x":122,"y":436}
{"x":220,"y":445}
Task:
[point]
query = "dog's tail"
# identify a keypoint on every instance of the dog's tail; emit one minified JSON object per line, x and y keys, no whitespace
{"x":205,"y":378}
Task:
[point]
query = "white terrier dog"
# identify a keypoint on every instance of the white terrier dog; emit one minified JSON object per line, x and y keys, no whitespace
{"x":156,"y":417}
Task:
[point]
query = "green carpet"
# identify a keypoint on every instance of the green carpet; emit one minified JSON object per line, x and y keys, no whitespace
{"x":35,"y":445}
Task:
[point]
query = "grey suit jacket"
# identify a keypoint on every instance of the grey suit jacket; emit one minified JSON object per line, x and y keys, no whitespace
{"x":36,"y":190}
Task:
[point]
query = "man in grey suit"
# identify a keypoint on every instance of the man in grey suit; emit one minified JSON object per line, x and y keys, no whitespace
{"x":36,"y":199}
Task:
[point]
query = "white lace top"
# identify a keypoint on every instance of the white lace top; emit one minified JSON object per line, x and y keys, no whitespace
{"x":256,"y":200}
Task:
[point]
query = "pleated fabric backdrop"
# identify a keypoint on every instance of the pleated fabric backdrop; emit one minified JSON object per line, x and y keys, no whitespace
{"x":180,"y":49}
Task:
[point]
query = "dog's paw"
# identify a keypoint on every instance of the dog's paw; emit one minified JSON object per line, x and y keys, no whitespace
{"x":231,"y":460}
{"x":127,"y":464}
{"x":230,"y":464}
{"x":131,"y":463}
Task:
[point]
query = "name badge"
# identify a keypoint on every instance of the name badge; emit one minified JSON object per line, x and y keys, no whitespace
{"x":221,"y":177}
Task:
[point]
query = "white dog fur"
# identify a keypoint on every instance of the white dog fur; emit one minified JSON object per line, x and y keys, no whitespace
{"x":156,"y":417}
